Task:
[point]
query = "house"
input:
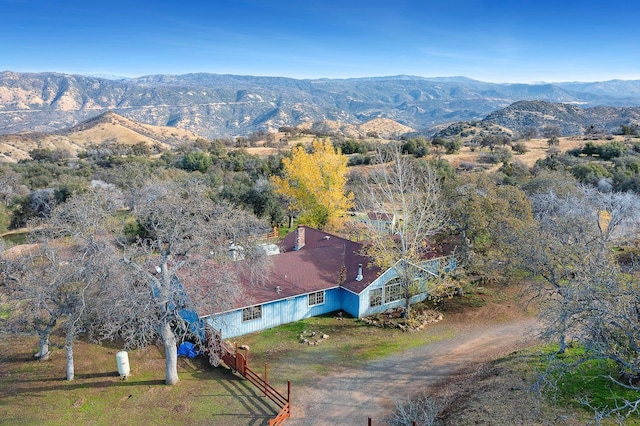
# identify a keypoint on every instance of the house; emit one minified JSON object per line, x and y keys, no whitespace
{"x":317,"y":273}
{"x":381,"y":222}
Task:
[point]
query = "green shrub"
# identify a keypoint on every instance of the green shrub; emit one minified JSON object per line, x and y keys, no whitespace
{"x":196,"y":161}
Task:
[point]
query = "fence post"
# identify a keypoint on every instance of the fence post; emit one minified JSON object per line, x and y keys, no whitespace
{"x":289,"y":393}
{"x":235,"y":355}
{"x":369,"y":422}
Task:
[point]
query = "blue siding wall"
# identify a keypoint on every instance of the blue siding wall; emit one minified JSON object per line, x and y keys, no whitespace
{"x":276,"y":313}
{"x":351,"y":303}
{"x":435,"y":266}
{"x":296,"y":308}
{"x":365,"y":309}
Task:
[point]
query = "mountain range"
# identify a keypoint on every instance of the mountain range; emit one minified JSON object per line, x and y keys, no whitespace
{"x":215,"y":106}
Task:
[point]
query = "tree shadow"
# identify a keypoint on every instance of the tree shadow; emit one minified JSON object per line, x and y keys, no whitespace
{"x":257,"y":408}
{"x":64,"y":385}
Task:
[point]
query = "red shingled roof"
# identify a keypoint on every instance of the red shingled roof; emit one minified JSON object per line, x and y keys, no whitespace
{"x":316,"y":266}
{"x":379,"y":216}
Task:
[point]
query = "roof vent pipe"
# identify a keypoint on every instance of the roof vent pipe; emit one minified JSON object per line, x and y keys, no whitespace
{"x":359,"y":276}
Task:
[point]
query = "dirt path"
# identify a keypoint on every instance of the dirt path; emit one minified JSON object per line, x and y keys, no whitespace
{"x":351,"y":397}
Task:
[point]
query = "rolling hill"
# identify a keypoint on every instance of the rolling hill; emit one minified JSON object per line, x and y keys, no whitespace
{"x":107,"y":128}
{"x":112,"y":129}
{"x":570,"y":119}
{"x":216,"y":105}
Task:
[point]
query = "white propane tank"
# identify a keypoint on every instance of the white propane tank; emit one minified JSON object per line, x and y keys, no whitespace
{"x":122,"y":359}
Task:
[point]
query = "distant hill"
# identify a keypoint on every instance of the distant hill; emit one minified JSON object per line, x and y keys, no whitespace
{"x":107,"y":128}
{"x":383,"y":128}
{"x":112,"y":129}
{"x":216,"y":105}
{"x":570,"y":119}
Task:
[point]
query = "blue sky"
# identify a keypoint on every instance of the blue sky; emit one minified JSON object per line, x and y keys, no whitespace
{"x":498,"y":41}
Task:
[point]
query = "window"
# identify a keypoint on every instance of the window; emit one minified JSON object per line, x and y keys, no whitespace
{"x":251,"y":313}
{"x":316,"y":298}
{"x":392,"y":291}
{"x":375,"y":297}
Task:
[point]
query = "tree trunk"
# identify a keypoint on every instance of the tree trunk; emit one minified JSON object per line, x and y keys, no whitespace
{"x":171,"y":354}
{"x":562,"y":343}
{"x":69,"y":348}
{"x":43,"y":354}
{"x":407,"y":308}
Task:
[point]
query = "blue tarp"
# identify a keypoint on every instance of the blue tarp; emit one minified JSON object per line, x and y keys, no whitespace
{"x":187,"y":349}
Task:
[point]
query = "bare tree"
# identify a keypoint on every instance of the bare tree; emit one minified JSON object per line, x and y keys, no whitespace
{"x":574,"y":233}
{"x":30,"y":290}
{"x":51,"y":280}
{"x":550,"y":130}
{"x":10,"y":186}
{"x":179,"y":265}
{"x":586,"y":296}
{"x":409,"y":191}
{"x":49,"y":291}
{"x":79,"y":228}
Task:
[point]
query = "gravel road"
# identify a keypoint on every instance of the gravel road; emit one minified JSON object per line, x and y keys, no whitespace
{"x":350,"y":398}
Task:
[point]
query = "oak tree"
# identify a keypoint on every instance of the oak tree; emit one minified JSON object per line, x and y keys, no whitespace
{"x":585,"y":294}
{"x":178,"y":266}
{"x":54,"y":282}
{"x":486,"y":215}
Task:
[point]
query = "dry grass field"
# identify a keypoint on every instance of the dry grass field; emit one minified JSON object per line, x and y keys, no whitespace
{"x":108,"y":128}
{"x":537,"y":149}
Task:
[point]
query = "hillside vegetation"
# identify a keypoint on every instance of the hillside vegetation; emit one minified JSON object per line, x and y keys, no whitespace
{"x":103,"y":130}
{"x":217,"y":106}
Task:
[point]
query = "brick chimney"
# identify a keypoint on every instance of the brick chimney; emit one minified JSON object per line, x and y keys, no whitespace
{"x":299,"y":238}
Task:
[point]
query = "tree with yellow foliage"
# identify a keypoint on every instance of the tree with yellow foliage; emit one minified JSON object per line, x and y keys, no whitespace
{"x":315,"y":185}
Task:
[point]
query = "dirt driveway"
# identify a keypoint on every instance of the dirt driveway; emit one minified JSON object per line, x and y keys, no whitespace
{"x":349,"y":398}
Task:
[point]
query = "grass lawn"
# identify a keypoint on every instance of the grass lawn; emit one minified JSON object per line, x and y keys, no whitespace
{"x":33,"y":392}
{"x":349,"y":343}
{"x":570,"y":380}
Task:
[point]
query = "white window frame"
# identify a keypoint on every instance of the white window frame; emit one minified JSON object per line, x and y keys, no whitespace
{"x":316,"y":298}
{"x":252,"y":313}
{"x":375,"y":297}
{"x":393,"y":291}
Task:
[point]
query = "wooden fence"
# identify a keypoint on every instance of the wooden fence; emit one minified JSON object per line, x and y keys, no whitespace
{"x":237,"y":361}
